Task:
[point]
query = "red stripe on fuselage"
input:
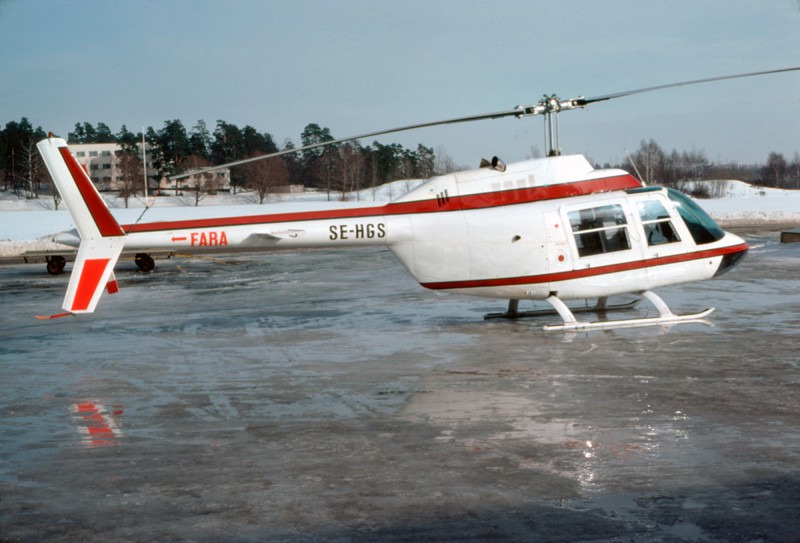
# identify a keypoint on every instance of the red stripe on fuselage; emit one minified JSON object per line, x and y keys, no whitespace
{"x":91,"y":274}
{"x":102,"y":216}
{"x":457,"y":203}
{"x":548,"y":192}
{"x":256,"y":219}
{"x":586,"y":272}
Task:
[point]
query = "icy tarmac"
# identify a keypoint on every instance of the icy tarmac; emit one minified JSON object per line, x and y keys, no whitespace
{"x":325,"y":396}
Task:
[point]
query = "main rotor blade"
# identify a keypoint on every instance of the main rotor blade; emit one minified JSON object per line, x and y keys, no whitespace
{"x":499,"y":114}
{"x":586,"y":101}
{"x":545,"y":106}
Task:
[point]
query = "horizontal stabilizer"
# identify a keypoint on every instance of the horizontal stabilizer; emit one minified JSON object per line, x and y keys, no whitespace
{"x":50,"y":317}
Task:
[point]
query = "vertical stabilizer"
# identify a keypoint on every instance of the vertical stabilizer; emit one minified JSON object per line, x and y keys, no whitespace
{"x":102,"y":239}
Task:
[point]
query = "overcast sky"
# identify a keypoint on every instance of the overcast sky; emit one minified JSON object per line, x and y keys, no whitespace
{"x":356,"y":66}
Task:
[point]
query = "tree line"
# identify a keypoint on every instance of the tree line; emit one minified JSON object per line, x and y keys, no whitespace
{"x":20,"y":166}
{"x":343,"y":167}
{"x":340,"y":168}
{"x":654,"y":165}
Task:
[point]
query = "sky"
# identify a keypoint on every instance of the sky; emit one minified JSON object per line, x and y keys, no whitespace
{"x":356,"y":66}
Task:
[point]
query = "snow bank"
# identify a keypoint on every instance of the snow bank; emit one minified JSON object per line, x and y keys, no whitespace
{"x":741,"y":204}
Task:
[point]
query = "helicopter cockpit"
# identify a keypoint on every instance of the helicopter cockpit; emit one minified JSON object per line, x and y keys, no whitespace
{"x":701,"y":226}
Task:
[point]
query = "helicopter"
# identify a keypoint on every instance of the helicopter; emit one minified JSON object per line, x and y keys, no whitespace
{"x":551,"y":229}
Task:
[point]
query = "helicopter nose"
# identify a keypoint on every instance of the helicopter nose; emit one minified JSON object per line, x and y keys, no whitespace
{"x":730,"y":260}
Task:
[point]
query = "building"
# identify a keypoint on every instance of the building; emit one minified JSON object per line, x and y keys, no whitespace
{"x":103,"y":163}
{"x":211,"y":182}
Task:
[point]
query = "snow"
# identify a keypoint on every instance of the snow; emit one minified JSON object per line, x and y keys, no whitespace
{"x":741,"y":204}
{"x":29,"y":225}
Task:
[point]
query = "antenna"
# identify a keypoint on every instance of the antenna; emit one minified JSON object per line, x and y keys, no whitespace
{"x":147,"y":206}
{"x":144,"y":166}
{"x":630,"y":159}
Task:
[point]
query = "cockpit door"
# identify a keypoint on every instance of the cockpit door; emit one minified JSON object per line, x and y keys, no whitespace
{"x":559,"y":256}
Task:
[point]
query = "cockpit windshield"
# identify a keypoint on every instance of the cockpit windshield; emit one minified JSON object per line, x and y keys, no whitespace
{"x":701,"y":226}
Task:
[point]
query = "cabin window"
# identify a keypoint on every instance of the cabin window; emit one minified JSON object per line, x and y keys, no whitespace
{"x":701,"y":226}
{"x":657,"y":224}
{"x":600,"y":230}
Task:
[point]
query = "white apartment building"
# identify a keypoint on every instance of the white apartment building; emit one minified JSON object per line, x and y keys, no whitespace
{"x":102,"y":162}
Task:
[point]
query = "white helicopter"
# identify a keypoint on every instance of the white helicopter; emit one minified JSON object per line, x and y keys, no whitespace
{"x":552,"y":229}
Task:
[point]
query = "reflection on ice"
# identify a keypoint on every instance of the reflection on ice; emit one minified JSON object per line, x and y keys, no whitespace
{"x":521,"y":427}
{"x":98,"y":425}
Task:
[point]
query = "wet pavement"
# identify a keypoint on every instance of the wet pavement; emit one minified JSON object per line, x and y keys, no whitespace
{"x":324,"y":396}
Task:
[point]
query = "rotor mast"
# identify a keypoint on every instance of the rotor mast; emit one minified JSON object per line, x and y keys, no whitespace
{"x":549,"y":107}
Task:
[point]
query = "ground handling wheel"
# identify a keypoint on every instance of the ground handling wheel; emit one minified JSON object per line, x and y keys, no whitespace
{"x":55,"y":264}
{"x":144,"y":262}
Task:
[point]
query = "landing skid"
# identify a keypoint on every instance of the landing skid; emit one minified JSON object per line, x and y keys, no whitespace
{"x":570,"y":323}
{"x":600,"y":307}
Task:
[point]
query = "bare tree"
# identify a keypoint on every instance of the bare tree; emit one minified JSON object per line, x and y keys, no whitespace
{"x":53,"y":191}
{"x":351,"y":168}
{"x":130,"y":174}
{"x":264,"y":175}
{"x":201,"y":184}
{"x":445,"y":164}
{"x":650,"y":161}
{"x":29,"y":171}
{"x":795,"y":167}
{"x":51,"y":188}
{"x":775,"y":170}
